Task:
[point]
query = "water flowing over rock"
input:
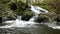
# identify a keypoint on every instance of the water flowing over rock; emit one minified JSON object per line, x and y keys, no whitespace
{"x":52,"y":25}
{"x":20,"y":23}
{"x":37,"y":10}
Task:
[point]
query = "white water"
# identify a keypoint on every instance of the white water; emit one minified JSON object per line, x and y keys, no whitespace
{"x":36,"y":11}
{"x":52,"y":25}
{"x":20,"y":23}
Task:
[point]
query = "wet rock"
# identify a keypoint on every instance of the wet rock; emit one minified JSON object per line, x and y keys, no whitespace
{"x":0,"y":19}
{"x":7,"y":18}
{"x":42,"y":20}
{"x":27,"y":15}
{"x":57,"y":19}
{"x":1,"y":22}
{"x":26,"y":18}
{"x":58,"y":23}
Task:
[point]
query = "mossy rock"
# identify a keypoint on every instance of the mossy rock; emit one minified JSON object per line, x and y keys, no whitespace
{"x":27,"y":15}
{"x":45,"y":18}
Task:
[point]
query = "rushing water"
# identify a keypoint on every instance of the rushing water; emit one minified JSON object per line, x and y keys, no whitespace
{"x":19,"y":26}
{"x":39,"y":29}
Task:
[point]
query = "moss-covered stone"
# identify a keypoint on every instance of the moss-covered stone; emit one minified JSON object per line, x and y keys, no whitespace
{"x":43,"y":18}
{"x":27,"y":15}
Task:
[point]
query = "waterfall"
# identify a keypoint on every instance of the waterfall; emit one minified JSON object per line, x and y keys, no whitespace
{"x":20,"y":23}
{"x":33,"y":18}
{"x":37,"y":10}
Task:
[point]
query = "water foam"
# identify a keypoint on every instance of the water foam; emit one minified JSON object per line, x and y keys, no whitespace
{"x":20,"y":23}
{"x":52,"y":25}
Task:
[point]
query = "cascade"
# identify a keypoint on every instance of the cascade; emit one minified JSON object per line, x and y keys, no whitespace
{"x":20,"y":23}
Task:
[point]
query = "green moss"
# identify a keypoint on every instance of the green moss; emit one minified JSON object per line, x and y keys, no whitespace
{"x":27,"y":15}
{"x":44,"y":17}
{"x":4,"y":1}
{"x":12,"y":8}
{"x":45,"y":6}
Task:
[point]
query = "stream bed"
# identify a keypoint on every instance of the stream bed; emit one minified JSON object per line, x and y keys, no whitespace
{"x":19,"y":26}
{"x":38,"y":29}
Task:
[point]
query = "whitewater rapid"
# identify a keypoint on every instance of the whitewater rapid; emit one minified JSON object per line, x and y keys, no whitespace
{"x":20,"y":23}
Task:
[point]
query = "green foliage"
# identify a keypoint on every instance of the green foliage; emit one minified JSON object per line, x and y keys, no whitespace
{"x":55,"y":4}
{"x":12,"y":8}
{"x":4,"y":1}
{"x":46,"y":6}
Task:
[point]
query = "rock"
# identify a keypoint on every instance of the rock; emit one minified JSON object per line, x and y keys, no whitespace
{"x":0,"y":19}
{"x":57,"y":19}
{"x":7,"y":18}
{"x":42,"y":18}
{"x":26,"y":18}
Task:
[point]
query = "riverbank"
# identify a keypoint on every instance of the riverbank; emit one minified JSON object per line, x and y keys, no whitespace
{"x":11,"y":10}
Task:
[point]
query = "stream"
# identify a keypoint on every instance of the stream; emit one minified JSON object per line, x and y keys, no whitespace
{"x":19,"y":26}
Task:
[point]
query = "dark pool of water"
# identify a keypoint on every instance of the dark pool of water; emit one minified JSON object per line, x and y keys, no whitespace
{"x":40,"y":29}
